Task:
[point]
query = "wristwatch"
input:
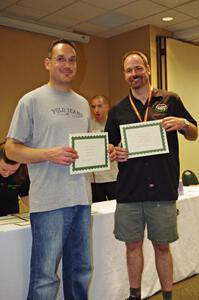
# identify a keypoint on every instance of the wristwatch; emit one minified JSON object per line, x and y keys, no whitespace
{"x":186,"y":123}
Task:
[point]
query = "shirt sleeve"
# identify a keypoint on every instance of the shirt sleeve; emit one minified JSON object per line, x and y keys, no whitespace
{"x":112,"y":127}
{"x":21,"y":124}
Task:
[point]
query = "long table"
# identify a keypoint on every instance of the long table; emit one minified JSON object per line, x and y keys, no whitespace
{"x":109,"y":280}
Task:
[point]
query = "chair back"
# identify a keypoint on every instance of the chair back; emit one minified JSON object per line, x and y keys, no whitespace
{"x":189,"y":178}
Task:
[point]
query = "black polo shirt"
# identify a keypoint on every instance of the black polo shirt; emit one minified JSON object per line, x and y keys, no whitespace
{"x":155,"y":177}
{"x":9,"y":192}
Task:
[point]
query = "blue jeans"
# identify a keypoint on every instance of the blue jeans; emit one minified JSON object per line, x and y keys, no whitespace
{"x":62,"y":233}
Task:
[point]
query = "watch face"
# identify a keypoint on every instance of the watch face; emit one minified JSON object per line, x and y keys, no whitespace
{"x":186,"y":122}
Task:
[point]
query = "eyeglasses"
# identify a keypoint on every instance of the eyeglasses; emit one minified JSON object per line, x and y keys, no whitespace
{"x":137,"y":70}
{"x":62,"y":59}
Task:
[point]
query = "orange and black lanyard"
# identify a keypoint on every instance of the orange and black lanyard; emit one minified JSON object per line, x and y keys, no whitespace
{"x":131,"y":98}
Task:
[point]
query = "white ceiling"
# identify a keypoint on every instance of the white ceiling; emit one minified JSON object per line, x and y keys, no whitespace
{"x":106,"y":18}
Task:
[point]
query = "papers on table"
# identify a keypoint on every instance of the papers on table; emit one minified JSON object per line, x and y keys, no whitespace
{"x":92,"y":149}
{"x":144,"y":138}
{"x":17,"y":219}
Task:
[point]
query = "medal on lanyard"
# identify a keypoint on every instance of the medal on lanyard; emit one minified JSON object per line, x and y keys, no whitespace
{"x":135,"y":108}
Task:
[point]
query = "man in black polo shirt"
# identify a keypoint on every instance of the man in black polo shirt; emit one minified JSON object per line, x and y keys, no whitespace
{"x":147,"y":187}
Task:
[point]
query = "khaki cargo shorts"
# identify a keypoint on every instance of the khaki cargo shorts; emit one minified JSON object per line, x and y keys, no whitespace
{"x":160,"y":219}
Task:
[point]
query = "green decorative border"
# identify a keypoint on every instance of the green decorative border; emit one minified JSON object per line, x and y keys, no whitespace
{"x":74,"y":138}
{"x":153,"y":151}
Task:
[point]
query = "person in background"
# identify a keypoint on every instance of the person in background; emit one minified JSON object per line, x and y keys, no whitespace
{"x":59,"y":202}
{"x":103,"y":183}
{"x":14,"y":184}
{"x":147,"y":187}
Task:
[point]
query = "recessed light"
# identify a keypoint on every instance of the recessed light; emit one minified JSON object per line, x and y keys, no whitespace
{"x":167,"y":19}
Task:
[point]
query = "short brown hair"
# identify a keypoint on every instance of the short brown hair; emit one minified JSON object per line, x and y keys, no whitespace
{"x":59,"y":41}
{"x":142,"y":55}
{"x":21,"y":174}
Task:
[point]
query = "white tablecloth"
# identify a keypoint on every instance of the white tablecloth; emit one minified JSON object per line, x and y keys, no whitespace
{"x":109,"y":280}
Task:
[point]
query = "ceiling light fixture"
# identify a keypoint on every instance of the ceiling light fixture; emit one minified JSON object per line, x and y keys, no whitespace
{"x":167,"y":19}
{"x":72,"y":36}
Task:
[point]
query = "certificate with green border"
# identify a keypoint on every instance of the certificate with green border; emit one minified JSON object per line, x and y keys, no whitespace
{"x":144,"y":138}
{"x":92,"y":149}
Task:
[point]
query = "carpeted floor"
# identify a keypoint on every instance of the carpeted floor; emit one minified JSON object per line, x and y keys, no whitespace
{"x":185,"y":290}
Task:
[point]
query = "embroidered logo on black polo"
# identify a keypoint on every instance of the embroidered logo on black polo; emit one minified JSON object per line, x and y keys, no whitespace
{"x":161,"y":108}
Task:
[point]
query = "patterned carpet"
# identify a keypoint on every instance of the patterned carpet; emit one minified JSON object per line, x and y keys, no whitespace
{"x":185,"y":290}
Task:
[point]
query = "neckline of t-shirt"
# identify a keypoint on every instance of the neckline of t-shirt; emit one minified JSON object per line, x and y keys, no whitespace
{"x":58,"y":92}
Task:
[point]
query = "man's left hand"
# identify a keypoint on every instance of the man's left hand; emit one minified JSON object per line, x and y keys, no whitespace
{"x":173,"y":123}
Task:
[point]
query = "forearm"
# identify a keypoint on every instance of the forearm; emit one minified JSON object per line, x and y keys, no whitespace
{"x":190,"y":132}
{"x":25,"y":200}
{"x":23,"y":154}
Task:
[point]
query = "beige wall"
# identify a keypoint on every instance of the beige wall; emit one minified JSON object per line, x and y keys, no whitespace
{"x":92,"y":77}
{"x":182,"y":70}
{"x":22,"y":69}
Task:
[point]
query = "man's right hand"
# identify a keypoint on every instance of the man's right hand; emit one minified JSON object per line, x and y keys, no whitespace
{"x":61,"y":155}
{"x":122,"y":154}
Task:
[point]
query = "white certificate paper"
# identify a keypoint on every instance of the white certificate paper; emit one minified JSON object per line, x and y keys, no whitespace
{"x":92,"y":149}
{"x":144,"y":138}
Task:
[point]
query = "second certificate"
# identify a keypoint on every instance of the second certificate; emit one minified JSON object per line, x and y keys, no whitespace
{"x":144,"y":138}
